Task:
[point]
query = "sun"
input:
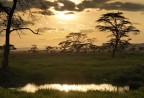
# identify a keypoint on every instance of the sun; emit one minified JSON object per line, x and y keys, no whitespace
{"x":77,"y":1}
{"x":65,"y":16}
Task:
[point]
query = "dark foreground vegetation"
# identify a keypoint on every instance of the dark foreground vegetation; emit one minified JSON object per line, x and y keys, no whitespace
{"x":40,"y":68}
{"x":57,"y":94}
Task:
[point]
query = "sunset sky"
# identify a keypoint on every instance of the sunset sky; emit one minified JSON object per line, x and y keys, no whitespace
{"x":66,"y":16}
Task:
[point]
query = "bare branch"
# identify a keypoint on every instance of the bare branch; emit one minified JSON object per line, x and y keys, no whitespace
{"x":19,"y":34}
{"x":2,"y":30}
{"x":25,"y":29}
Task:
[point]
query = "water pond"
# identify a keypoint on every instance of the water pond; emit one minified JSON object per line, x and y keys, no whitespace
{"x":73,"y":87}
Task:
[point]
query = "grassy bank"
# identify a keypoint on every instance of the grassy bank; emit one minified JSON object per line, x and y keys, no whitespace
{"x":57,"y":94}
{"x":43,"y":68}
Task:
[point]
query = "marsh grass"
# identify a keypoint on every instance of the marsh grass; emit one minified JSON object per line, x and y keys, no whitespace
{"x":41,"y":68}
{"x":5,"y":93}
{"x":71,"y":68}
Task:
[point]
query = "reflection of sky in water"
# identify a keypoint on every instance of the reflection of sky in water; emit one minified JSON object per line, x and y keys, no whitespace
{"x":73,"y":87}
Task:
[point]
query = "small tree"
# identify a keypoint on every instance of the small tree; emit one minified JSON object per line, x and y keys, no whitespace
{"x":11,"y":47}
{"x":118,"y":25}
{"x":49,"y":49}
{"x":34,"y":48}
{"x":89,"y":46}
{"x":77,"y":40}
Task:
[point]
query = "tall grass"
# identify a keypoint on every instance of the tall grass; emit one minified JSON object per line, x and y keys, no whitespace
{"x":67,"y":68}
{"x":58,"y":94}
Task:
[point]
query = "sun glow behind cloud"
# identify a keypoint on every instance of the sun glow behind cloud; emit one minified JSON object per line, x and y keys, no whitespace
{"x":65,"y":16}
{"x":76,"y":1}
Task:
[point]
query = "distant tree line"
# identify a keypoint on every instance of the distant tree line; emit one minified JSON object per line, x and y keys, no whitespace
{"x":80,"y":43}
{"x":115,"y":23}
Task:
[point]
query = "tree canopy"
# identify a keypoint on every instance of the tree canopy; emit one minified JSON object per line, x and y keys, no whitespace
{"x":118,"y":25}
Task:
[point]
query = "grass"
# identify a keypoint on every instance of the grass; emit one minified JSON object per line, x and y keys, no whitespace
{"x":4,"y":93}
{"x":40,"y":68}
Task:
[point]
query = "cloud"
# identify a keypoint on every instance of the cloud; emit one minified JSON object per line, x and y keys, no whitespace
{"x":23,"y":5}
{"x":67,"y":5}
{"x":105,"y":4}
{"x":91,"y":4}
{"x":87,"y":30}
{"x":56,"y":39}
{"x":43,"y":29}
{"x":44,"y":12}
{"x":28,"y":22}
{"x":69,"y":13}
{"x":127,"y":6}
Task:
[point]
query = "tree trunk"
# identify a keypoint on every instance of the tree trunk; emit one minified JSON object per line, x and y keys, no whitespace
{"x":6,"y":53}
{"x":113,"y":52}
{"x":115,"y":47}
{"x":5,"y":62}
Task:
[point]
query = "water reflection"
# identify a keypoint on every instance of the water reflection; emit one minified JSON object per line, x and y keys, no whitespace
{"x":73,"y":87}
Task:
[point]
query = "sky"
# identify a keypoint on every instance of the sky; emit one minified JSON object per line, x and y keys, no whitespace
{"x":65,"y":16}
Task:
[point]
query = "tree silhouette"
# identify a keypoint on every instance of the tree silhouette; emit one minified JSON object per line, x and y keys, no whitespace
{"x":12,"y":22}
{"x":107,"y":46}
{"x":141,"y":49}
{"x":34,"y":48}
{"x":11,"y":47}
{"x":123,"y":45}
{"x":65,"y":45}
{"x":76,"y":40}
{"x":91,"y":40}
{"x":89,"y":46}
{"x":49,"y":49}
{"x":118,"y":25}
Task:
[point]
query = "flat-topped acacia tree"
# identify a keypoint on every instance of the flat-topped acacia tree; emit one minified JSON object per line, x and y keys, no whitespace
{"x":12,"y":22}
{"x":119,"y":26}
{"x":76,"y":40}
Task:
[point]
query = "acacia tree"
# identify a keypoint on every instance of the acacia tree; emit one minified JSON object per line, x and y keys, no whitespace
{"x":65,"y":45}
{"x":12,"y":22}
{"x":89,"y":46}
{"x":76,"y":40}
{"x":118,"y":25}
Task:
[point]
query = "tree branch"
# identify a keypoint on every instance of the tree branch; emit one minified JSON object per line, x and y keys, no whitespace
{"x":25,"y":29}
{"x":2,"y":30}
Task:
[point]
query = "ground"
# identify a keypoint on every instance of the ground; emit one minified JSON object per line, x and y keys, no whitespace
{"x":41,"y":68}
